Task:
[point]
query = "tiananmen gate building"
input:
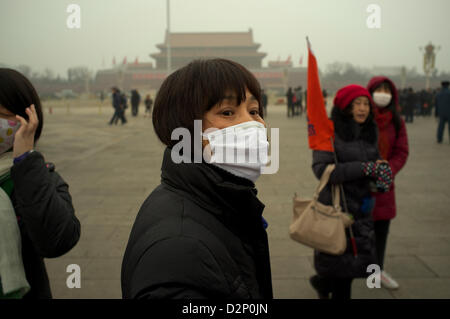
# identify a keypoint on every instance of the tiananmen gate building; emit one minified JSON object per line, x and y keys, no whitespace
{"x":186,"y":47}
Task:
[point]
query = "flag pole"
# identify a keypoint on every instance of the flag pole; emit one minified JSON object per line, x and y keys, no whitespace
{"x":169,"y":53}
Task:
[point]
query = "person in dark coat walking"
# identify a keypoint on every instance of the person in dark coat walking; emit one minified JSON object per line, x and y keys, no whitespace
{"x":200,"y":233}
{"x":443,"y":110}
{"x":148,"y":105}
{"x":264,"y":101}
{"x":37,"y":218}
{"x":410,"y":102}
{"x":299,"y":101}
{"x":135,"y":100}
{"x":290,"y":102}
{"x":117,"y":104}
{"x":360,"y":170}
{"x":123,"y":108}
{"x":393,"y":147}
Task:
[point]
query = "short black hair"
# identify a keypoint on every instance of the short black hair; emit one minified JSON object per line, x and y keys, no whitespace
{"x":17,"y":93}
{"x":188,"y":93}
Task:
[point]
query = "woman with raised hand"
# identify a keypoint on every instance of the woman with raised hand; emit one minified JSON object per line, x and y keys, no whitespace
{"x":393,"y":146}
{"x":37,"y":218}
{"x":200,"y":233}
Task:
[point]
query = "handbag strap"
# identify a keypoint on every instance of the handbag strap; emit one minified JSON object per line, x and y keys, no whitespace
{"x":324,"y":180}
{"x":336,"y":196}
{"x":335,"y":193}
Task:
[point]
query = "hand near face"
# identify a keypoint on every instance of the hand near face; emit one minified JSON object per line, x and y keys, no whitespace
{"x":24,"y":138}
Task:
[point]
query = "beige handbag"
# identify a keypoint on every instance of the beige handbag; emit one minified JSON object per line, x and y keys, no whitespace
{"x":320,"y":226}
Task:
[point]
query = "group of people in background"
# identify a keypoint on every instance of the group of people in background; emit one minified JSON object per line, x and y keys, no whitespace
{"x":294,"y":101}
{"x":419,"y":103}
{"x":295,"y":98}
{"x":119,"y":103}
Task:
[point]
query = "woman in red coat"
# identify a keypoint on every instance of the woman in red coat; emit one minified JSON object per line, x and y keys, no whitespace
{"x":393,"y":146}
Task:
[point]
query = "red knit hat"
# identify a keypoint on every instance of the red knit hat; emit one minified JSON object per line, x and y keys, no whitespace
{"x":348,"y":93}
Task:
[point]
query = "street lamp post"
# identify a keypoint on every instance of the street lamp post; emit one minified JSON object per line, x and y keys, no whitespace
{"x":429,"y":59}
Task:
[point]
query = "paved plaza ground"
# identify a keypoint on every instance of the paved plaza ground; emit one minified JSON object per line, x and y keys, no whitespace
{"x":112,"y":169}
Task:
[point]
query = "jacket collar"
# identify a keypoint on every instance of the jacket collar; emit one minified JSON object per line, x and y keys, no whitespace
{"x":232,"y":198}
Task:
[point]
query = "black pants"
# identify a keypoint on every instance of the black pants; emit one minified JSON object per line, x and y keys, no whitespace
{"x":134,"y":109}
{"x":290,"y":110}
{"x":340,"y":288}
{"x":381,"y":234}
{"x":119,"y":115}
{"x":114,"y":118}
{"x":441,"y":128}
{"x":409,"y":117}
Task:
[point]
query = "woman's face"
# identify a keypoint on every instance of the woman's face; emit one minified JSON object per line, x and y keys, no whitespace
{"x":228,"y":113}
{"x":7,"y":114}
{"x":360,"y":109}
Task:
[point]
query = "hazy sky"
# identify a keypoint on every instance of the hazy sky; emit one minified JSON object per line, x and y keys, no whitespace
{"x":35,"y":33}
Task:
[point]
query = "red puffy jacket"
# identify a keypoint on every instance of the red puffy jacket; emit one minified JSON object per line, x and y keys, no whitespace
{"x":398,"y":152}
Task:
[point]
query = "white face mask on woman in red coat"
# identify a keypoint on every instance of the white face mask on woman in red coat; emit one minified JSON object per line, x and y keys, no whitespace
{"x":382,"y":99}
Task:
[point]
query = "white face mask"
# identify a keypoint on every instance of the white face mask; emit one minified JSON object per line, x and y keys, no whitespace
{"x":239,"y":149}
{"x":7,"y":131}
{"x":382,"y":99}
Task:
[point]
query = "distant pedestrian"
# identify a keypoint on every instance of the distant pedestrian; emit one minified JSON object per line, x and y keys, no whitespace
{"x":325,"y":96}
{"x":264,"y":101}
{"x":410,"y":104}
{"x":443,"y":110}
{"x":148,"y":105}
{"x":116,"y":104}
{"x":306,"y":101}
{"x":361,"y":171}
{"x":299,"y":101}
{"x":135,"y":100}
{"x":122,"y":109}
{"x":393,"y":147}
{"x":290,"y":102}
{"x":428,"y":102}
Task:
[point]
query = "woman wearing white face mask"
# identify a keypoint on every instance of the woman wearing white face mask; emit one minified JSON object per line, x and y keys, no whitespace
{"x":393,"y":146}
{"x":37,"y":218}
{"x":200,"y":234}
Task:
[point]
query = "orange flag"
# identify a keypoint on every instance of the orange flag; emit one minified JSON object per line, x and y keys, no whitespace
{"x":320,"y":128}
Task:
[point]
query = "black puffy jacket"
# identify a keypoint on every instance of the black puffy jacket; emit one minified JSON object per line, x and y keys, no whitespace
{"x":46,"y":218}
{"x":198,"y":235}
{"x":354,"y":144}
